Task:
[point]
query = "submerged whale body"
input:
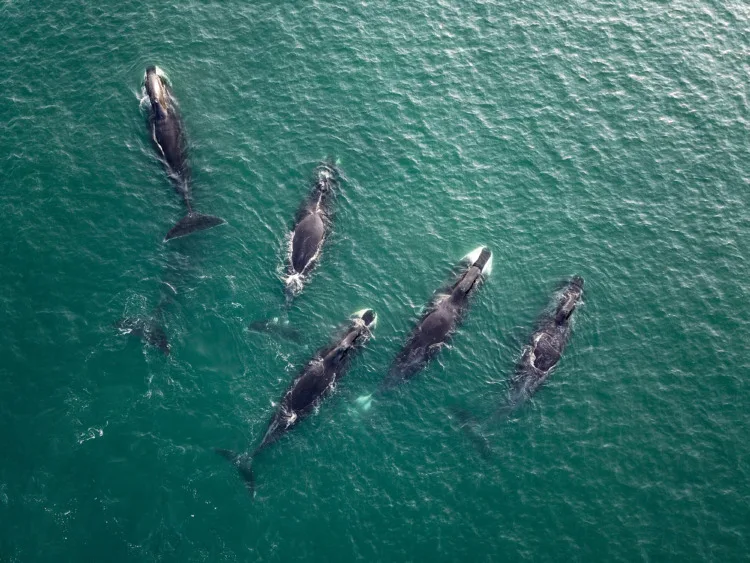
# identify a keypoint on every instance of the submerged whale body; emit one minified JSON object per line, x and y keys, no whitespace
{"x":546,"y":344}
{"x":316,"y":380}
{"x":149,"y":330}
{"x":437,"y":325}
{"x":311,"y":227}
{"x":167,"y":134}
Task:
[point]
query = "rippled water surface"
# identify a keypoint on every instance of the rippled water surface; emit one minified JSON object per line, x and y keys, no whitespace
{"x":606,"y":139}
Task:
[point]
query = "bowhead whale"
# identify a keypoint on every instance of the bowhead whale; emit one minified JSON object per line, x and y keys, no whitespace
{"x":311,"y":227}
{"x":316,"y":380}
{"x":539,"y":358}
{"x":440,"y":321}
{"x":167,"y":134}
{"x":546,"y":344}
{"x":147,"y":329}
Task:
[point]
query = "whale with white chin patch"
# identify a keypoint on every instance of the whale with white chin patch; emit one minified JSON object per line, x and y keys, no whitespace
{"x":445,"y":315}
{"x":168,"y":136}
{"x":316,"y":381}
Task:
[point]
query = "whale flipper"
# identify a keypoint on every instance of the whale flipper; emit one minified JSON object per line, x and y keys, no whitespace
{"x":193,"y":222}
{"x":243,"y":463}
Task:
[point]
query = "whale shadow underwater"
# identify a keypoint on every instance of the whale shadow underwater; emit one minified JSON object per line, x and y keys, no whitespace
{"x":316,"y":380}
{"x":167,"y":133}
{"x":177,"y":271}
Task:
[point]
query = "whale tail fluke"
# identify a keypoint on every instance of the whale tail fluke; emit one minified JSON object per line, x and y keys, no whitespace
{"x":244,"y":464}
{"x":149,"y":330}
{"x":191,"y":223}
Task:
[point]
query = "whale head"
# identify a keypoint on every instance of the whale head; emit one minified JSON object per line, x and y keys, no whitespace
{"x":571,"y":295}
{"x":365,"y":318}
{"x":481,"y":260}
{"x":326,"y":177}
{"x":156,"y":88}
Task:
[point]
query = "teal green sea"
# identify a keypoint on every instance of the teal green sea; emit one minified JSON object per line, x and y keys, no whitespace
{"x":606,"y":139}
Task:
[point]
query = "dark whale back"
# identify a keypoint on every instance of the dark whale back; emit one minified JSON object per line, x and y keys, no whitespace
{"x":311,"y":227}
{"x":546,"y":344}
{"x":166,"y":125}
{"x":318,"y":378}
{"x":167,"y":134}
{"x":308,"y":236}
{"x":437,"y":325}
{"x":170,"y":141}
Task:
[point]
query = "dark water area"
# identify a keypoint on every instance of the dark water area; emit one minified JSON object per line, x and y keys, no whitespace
{"x":608,"y":140}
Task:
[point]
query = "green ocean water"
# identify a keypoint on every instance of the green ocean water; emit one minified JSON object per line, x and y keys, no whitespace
{"x":605,"y":139}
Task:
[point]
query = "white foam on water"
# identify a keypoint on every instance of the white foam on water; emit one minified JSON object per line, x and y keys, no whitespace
{"x":294,"y":282}
{"x":143,"y":101}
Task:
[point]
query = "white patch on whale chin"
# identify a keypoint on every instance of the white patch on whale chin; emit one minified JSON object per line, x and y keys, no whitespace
{"x":290,"y":418}
{"x":359,"y":314}
{"x":365,"y":402}
{"x":473,"y":256}
{"x":487,"y":270}
{"x":170,"y":286}
{"x":532,"y":355}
